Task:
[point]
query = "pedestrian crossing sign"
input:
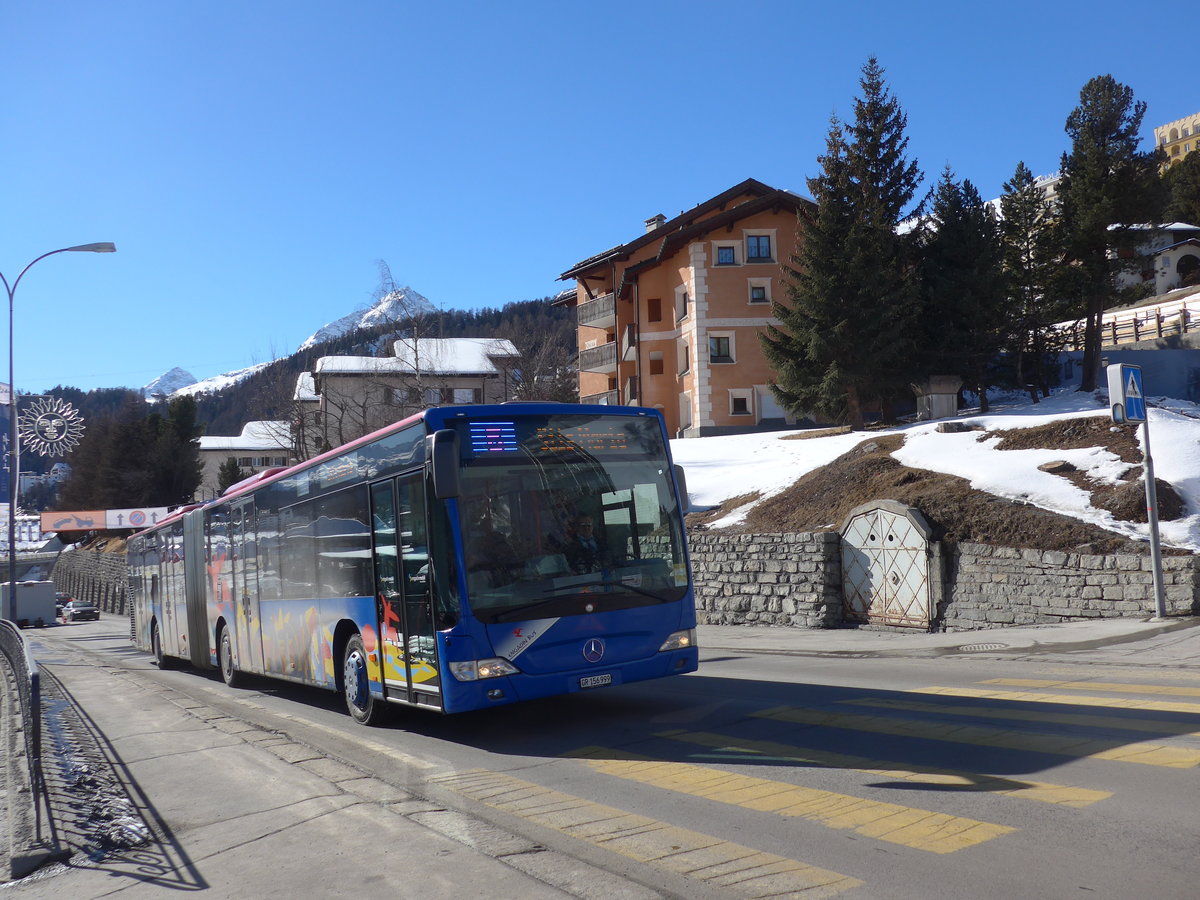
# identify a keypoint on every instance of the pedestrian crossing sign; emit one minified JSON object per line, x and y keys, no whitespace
{"x":1125,"y":394}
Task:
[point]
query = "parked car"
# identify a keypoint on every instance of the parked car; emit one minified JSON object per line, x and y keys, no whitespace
{"x":61,"y":599}
{"x":76,"y":610}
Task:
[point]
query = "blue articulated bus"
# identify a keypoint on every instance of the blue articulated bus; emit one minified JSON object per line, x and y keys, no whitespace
{"x":466,"y":557}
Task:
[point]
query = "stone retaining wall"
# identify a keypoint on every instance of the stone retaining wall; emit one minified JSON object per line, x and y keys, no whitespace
{"x":767,"y":579}
{"x":795,"y":580}
{"x":99,"y":577}
{"x":990,"y":587}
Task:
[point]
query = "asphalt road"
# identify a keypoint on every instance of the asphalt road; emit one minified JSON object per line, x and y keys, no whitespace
{"x":894,"y":776}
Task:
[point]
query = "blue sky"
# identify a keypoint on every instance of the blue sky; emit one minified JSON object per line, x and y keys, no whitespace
{"x":253,"y":161}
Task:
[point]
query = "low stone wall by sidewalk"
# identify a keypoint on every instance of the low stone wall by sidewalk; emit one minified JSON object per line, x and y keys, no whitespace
{"x":99,"y":577}
{"x":991,"y":587}
{"x":796,"y":580}
{"x":767,"y":579}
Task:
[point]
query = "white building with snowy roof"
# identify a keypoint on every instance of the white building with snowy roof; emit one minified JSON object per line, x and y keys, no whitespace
{"x":261,"y":445}
{"x":356,"y":395}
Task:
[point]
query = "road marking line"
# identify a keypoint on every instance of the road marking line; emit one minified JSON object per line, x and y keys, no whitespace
{"x":909,"y":826}
{"x":1040,"y":791}
{"x":742,"y":870}
{"x":1032,"y":715}
{"x":1110,"y":686}
{"x":1072,"y":699}
{"x":1083,"y":748}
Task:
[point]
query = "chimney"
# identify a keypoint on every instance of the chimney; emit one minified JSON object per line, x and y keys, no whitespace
{"x":655,"y":222}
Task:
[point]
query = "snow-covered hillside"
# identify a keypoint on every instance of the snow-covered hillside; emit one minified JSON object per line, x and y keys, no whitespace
{"x":721,"y":468}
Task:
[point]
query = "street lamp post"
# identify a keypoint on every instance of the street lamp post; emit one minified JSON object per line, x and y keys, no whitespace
{"x":13,"y":474}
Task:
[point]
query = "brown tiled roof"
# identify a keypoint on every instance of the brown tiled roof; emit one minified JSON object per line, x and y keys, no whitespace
{"x":685,"y":227}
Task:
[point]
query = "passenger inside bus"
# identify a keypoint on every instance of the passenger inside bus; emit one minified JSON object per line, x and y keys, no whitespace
{"x":580,"y":546}
{"x":490,"y":555}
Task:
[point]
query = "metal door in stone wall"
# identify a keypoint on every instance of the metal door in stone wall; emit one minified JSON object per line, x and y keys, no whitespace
{"x":885,"y":566}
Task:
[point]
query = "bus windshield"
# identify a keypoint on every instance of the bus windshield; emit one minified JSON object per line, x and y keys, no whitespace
{"x":567,"y":515}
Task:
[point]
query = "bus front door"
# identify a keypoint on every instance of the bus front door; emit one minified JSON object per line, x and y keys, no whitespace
{"x":402,"y":586}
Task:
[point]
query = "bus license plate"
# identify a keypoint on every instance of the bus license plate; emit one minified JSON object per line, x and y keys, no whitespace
{"x":589,"y":681}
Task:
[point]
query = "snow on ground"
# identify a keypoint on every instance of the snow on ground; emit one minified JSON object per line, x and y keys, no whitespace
{"x":720,"y":468}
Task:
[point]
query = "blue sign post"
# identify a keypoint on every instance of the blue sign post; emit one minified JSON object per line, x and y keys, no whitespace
{"x":1127,"y":401}
{"x":1125,"y":394}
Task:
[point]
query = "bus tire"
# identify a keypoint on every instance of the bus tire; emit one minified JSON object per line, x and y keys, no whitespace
{"x":160,"y":659}
{"x":229,"y":673}
{"x":363,"y":706}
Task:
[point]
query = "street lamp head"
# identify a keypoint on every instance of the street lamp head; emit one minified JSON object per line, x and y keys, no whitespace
{"x":102,"y":247}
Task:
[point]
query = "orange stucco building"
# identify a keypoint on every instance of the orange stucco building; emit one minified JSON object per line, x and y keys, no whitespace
{"x":671,"y":319}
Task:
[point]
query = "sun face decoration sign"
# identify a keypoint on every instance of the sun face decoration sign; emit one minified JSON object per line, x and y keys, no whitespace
{"x":50,"y":427}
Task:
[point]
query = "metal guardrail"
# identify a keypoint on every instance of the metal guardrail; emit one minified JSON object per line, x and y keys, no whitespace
{"x":13,"y":646}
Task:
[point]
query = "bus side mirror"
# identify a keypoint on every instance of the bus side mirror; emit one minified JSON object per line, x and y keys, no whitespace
{"x":442,"y":450}
{"x":681,"y":483}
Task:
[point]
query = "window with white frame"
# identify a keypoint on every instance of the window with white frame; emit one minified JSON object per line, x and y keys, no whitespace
{"x":681,"y":304}
{"x":741,"y":402}
{"x":760,"y":290}
{"x":725,"y":253}
{"x":758,"y":246}
{"x":467,"y":395}
{"x":685,"y":410}
{"x":685,"y":357}
{"x":720,"y":347}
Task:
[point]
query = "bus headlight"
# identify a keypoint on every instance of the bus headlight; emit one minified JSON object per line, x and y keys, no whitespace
{"x":680,"y":640}
{"x":478,"y":669}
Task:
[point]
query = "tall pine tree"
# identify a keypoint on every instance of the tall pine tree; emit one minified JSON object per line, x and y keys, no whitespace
{"x":964,"y":311}
{"x":848,"y":327}
{"x":1109,"y":188}
{"x":1030,"y":259}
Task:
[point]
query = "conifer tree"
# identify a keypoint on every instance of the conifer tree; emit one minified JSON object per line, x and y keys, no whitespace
{"x":1182,"y":181}
{"x":1109,"y":191}
{"x":847,"y":330}
{"x":964,"y":311}
{"x":1030,"y":259}
{"x":230,"y":473}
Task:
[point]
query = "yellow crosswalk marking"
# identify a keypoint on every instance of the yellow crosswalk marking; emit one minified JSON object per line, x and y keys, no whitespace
{"x":1031,"y":715}
{"x":1109,"y":686}
{"x":742,"y":871}
{"x":1041,"y":791}
{"x":911,"y":827}
{"x":1072,"y":699}
{"x":1067,"y":745}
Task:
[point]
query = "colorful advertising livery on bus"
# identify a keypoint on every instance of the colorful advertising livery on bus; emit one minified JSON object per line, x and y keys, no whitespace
{"x":466,"y":557}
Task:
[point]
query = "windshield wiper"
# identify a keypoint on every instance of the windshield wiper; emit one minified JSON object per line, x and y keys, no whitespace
{"x":603,"y":582}
{"x":568,"y":590}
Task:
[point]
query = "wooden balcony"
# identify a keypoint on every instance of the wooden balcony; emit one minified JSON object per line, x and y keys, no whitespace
{"x":631,"y":391}
{"x":598,"y":313}
{"x":599,"y":359}
{"x":608,"y":398}
{"x":629,"y":340}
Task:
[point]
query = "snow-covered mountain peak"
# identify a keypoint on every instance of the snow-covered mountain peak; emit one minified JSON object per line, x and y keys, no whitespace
{"x":169,"y":382}
{"x":395,"y":307}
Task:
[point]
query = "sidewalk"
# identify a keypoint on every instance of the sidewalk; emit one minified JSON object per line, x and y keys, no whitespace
{"x":202,"y":801}
{"x":253,"y":805}
{"x":1174,"y":641}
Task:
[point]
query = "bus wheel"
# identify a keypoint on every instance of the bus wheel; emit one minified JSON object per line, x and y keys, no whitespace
{"x":229,"y":673}
{"x":160,"y":659}
{"x":363,"y":706}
